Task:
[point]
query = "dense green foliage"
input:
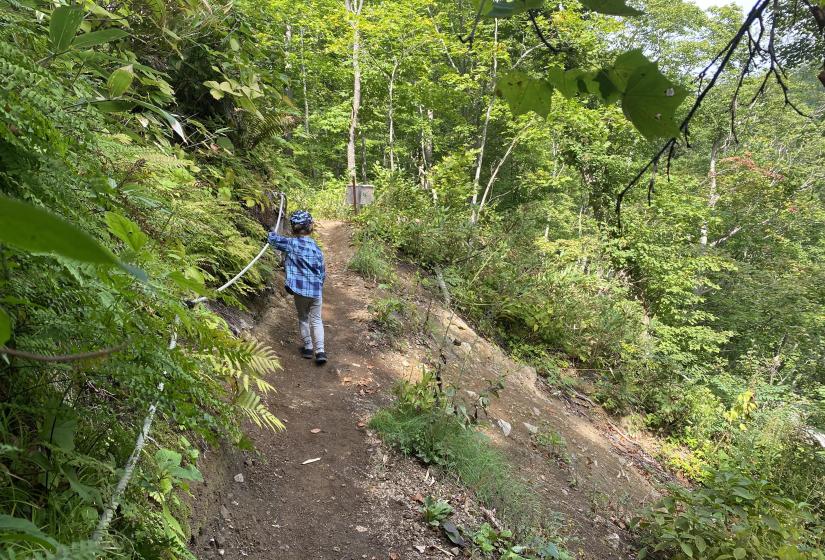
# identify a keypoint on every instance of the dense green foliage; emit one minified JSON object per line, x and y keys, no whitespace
{"x":138,"y":141}
{"x":85,"y":132}
{"x":701,"y":318}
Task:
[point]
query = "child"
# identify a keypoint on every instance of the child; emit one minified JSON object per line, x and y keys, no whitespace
{"x":305,"y":275}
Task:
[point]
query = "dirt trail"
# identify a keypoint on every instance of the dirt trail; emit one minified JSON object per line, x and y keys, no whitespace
{"x":283,"y":508}
{"x":358,"y":500}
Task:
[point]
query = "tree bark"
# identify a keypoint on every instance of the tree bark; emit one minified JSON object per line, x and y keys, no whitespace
{"x":391,"y":124}
{"x":488,"y":189}
{"x":483,"y":143}
{"x":354,"y":8}
{"x":713,"y":196}
{"x":304,"y":82}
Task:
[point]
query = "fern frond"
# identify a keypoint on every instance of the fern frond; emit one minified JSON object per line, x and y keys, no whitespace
{"x":250,"y":404}
{"x":272,"y":123}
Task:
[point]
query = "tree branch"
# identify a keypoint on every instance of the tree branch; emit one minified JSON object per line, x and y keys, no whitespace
{"x":61,"y":357}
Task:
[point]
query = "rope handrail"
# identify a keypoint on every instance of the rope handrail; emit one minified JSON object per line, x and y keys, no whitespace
{"x":109,"y":511}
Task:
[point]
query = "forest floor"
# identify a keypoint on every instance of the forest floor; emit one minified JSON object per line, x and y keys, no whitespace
{"x":360,"y":500}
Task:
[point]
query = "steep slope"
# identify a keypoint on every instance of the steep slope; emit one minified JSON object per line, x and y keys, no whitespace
{"x":358,"y":499}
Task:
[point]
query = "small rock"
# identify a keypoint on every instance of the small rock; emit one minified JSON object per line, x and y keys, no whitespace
{"x":531,"y":428}
{"x":221,"y":552}
{"x":420,"y":548}
{"x":225,"y":512}
{"x":614,"y":540}
{"x":455,"y":551}
{"x":361,"y":529}
{"x":471,"y":394}
{"x":239,"y":477}
{"x":536,"y":411}
{"x":505,"y":426}
{"x":219,"y":541}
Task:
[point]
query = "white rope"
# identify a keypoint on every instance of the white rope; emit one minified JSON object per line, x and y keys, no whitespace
{"x":114,"y":502}
{"x":253,"y":261}
{"x":109,"y":511}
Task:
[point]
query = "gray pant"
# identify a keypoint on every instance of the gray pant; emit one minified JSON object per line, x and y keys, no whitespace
{"x":309,"y":321}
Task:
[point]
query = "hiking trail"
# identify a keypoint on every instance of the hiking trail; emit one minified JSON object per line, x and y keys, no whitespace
{"x":327,"y":488}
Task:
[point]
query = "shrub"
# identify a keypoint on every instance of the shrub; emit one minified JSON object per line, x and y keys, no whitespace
{"x":731,"y":517}
{"x":371,"y":260}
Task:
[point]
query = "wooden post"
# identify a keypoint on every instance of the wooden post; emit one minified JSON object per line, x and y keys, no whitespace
{"x":354,"y":196}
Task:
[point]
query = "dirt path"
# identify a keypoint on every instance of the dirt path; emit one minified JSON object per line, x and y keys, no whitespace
{"x":284,"y":508}
{"x":358,"y":500}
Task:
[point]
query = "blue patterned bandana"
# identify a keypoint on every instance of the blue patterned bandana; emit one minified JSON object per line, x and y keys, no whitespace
{"x":300,"y":218}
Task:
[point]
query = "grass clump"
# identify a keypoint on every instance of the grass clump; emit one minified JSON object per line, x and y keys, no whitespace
{"x":372,"y":261}
{"x":425,"y":424}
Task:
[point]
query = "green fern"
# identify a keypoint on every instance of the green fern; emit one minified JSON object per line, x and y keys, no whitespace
{"x":250,"y":404}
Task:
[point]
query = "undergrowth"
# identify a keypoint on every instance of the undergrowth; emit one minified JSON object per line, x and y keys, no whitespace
{"x":427,"y":424}
{"x":372,"y":261}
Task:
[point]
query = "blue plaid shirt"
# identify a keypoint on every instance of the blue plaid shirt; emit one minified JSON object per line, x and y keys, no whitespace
{"x":305,"y":270}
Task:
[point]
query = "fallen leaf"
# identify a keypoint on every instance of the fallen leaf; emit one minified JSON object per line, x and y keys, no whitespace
{"x":418,"y":498}
{"x":360,"y":424}
{"x":315,"y":430}
{"x":308,"y":461}
{"x":394,"y":556}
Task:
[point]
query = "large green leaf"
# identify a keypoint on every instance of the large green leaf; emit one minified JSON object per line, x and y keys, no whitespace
{"x":170,"y":118}
{"x":63,"y":27}
{"x":524,"y":94}
{"x":572,"y":82}
{"x":18,"y":529}
{"x":507,"y":8}
{"x":5,"y":326}
{"x":88,"y":40}
{"x":39,"y":231}
{"x":58,"y":428}
{"x":120,"y":80}
{"x":625,"y":66}
{"x":126,"y":230}
{"x":650,"y":102}
{"x":610,"y":7}
{"x":113,"y":105}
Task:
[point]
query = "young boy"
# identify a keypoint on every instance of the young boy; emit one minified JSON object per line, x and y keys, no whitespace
{"x":305,"y":275}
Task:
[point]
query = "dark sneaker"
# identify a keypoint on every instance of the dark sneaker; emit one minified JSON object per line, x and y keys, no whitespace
{"x":321,"y":358}
{"x":307,"y":353}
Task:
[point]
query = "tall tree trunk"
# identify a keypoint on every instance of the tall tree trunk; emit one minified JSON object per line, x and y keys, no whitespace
{"x":304,"y":82}
{"x":390,"y":115}
{"x":363,"y":156}
{"x":713,"y":196}
{"x":354,"y":8}
{"x":494,"y":175}
{"x":287,"y":57}
{"x":483,"y":143}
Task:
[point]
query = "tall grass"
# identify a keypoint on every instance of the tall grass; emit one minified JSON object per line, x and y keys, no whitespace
{"x":439,"y":438}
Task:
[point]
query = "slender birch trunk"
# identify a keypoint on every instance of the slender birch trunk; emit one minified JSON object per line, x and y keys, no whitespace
{"x":483,"y":143}
{"x":390,"y":114}
{"x":354,"y":8}
{"x":304,"y":83}
{"x":713,"y":196}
